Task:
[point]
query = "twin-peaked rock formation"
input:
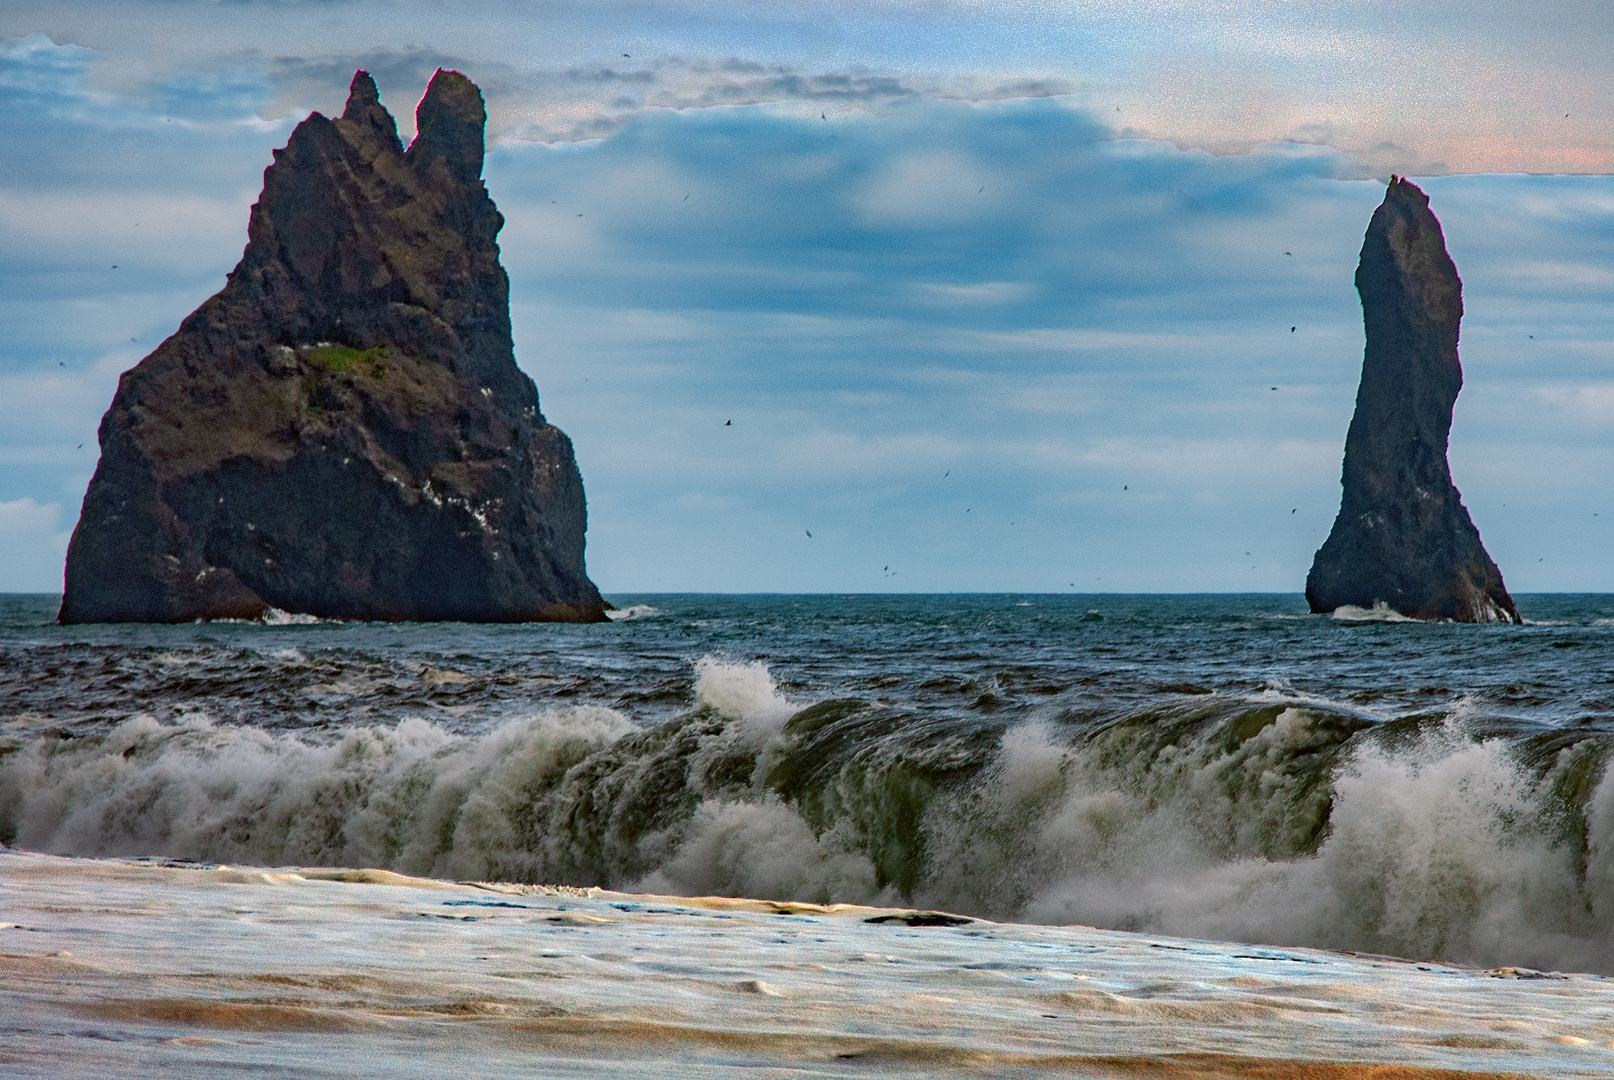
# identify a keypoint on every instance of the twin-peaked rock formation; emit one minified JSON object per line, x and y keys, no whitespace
{"x":1403,"y":537}
{"x":342,"y":430}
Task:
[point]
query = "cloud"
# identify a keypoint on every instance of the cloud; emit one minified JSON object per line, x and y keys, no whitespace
{"x":1499,"y":85}
{"x":25,"y":515}
{"x":1009,"y":295}
{"x":1586,"y":406}
{"x":947,"y":331}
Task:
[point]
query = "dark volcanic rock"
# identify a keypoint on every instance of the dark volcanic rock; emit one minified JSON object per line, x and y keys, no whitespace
{"x":342,"y":430}
{"x":1403,"y":537}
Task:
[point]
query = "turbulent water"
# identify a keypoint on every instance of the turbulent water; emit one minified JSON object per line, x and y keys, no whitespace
{"x":1210,"y":766}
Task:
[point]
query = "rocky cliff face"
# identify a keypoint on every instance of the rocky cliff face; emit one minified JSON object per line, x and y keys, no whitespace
{"x":342,"y":430}
{"x":1403,"y":537}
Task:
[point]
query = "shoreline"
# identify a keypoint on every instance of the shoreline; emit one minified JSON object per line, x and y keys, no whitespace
{"x":154,"y":966}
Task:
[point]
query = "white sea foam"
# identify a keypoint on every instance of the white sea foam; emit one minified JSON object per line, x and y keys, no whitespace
{"x":628,"y":614}
{"x":1379,"y":612}
{"x":765,"y":849}
{"x":744,"y":692}
{"x":1442,"y":849}
{"x":412,"y":798}
{"x":276,"y":617}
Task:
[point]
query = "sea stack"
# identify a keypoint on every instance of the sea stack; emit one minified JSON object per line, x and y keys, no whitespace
{"x":1403,"y":538}
{"x":342,"y":431}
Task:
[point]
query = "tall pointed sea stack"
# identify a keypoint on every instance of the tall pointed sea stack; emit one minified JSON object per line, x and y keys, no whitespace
{"x":342,"y":430}
{"x":1403,"y":537}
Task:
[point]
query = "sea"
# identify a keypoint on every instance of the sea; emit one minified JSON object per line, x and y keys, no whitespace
{"x":1205,"y":767}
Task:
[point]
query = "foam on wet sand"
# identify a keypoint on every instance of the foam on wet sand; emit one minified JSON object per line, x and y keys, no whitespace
{"x":125,"y":967}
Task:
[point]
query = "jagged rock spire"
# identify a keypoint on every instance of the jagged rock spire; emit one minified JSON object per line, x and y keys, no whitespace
{"x":1403,"y":537}
{"x":343,"y":430}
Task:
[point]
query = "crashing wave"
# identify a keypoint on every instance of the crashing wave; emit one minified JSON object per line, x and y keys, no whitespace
{"x":1379,"y":612}
{"x":628,"y":614}
{"x":1262,"y":818}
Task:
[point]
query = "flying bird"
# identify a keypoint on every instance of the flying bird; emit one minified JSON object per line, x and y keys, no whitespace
{"x":81,"y":446}
{"x":1291,"y":329}
{"x":809,"y":533}
{"x":1274,"y":388}
{"x":1296,"y":510}
{"x":1288,"y":253}
{"x":1123,"y":487}
{"x":946,"y":474}
{"x":728,"y":423}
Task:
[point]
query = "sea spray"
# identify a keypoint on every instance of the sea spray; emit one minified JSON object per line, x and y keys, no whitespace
{"x":1265,"y":817}
{"x":1443,"y":846}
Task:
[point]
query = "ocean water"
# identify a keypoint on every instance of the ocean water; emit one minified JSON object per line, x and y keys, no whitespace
{"x":1208,"y":767}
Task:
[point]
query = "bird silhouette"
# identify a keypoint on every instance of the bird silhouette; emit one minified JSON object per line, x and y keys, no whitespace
{"x":728,"y":423}
{"x":809,"y":533}
{"x":1291,"y":329}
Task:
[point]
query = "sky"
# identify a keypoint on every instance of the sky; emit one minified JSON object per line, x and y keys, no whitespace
{"x":986,"y":296}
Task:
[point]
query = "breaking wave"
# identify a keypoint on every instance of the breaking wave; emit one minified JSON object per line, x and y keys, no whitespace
{"x":629,"y":614}
{"x":1379,"y":612}
{"x":1263,"y":818}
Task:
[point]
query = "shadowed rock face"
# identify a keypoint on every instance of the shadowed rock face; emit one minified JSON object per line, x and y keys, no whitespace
{"x":1403,"y":537}
{"x":342,"y":430}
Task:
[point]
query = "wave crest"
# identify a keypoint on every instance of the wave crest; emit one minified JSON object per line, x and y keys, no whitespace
{"x":1265,"y":818}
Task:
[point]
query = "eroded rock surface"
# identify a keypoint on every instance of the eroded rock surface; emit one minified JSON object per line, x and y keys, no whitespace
{"x":342,"y":430}
{"x":1403,"y":537}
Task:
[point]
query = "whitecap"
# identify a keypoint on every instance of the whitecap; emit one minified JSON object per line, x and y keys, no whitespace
{"x":276,"y":617}
{"x":628,"y":614}
{"x":1379,"y":612}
